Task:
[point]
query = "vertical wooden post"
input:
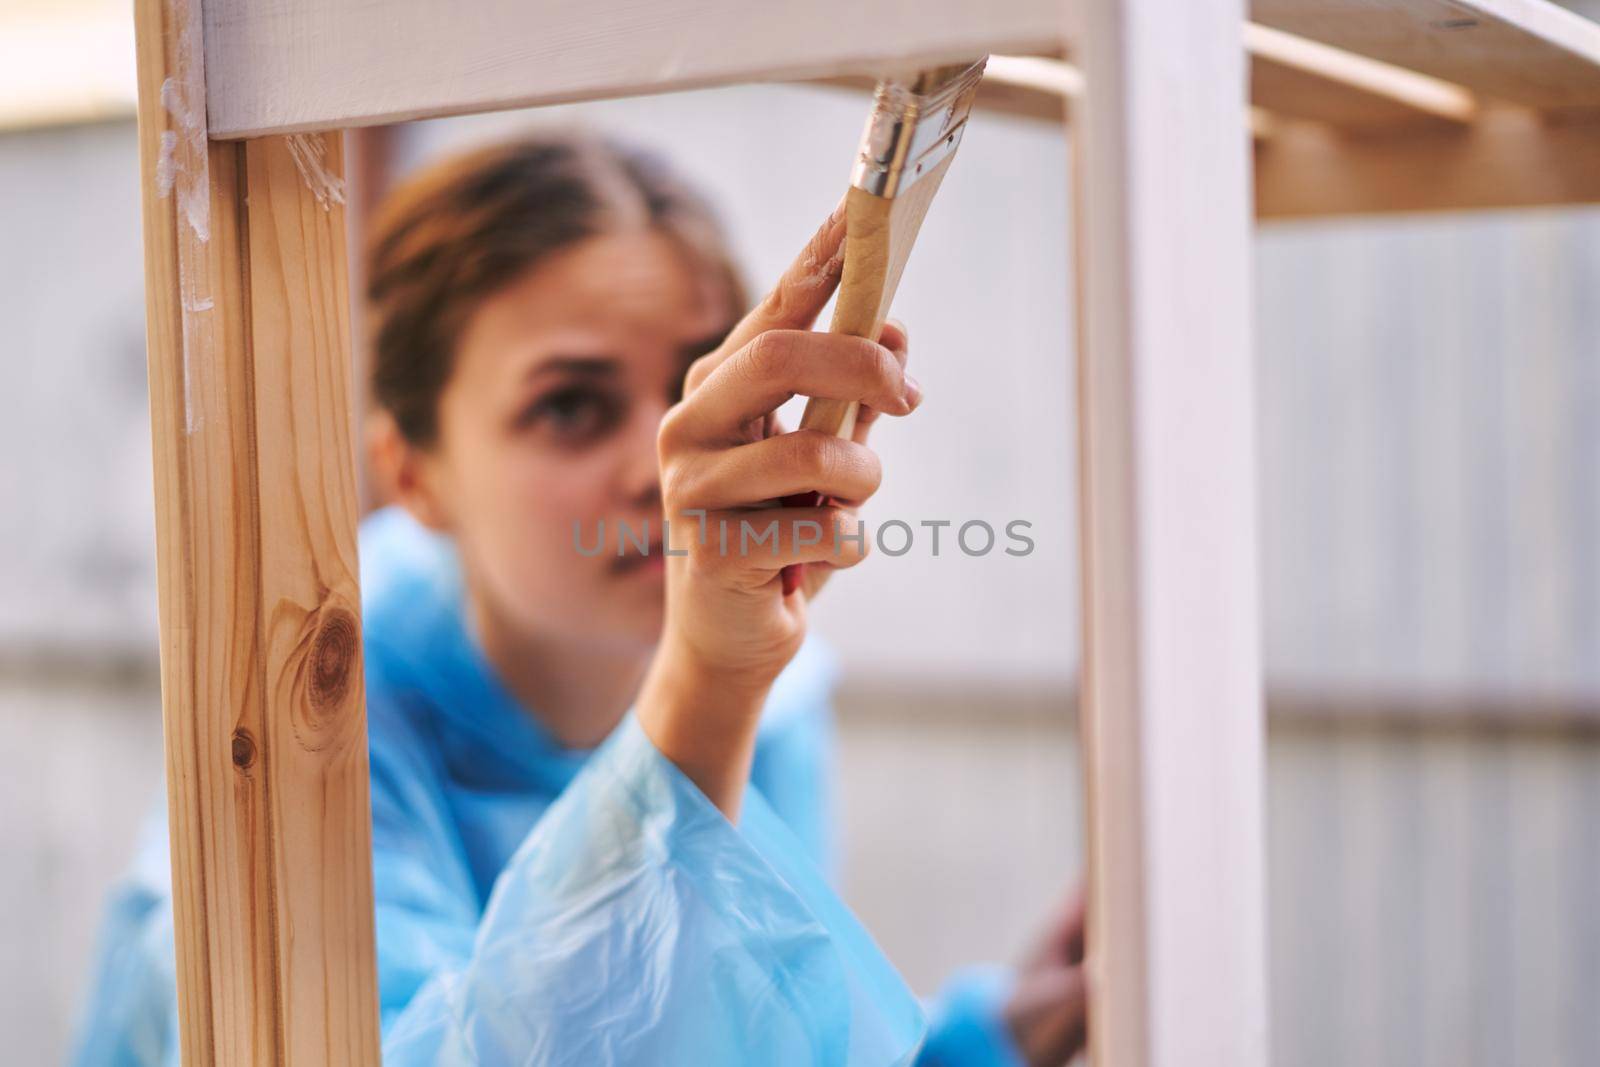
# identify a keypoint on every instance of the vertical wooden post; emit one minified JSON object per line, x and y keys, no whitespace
{"x":260,"y":630}
{"x":1173,"y":724}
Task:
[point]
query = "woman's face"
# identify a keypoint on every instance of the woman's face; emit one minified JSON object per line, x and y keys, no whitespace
{"x":548,"y":423}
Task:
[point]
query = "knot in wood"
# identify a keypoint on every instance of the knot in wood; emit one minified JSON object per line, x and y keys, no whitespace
{"x":333,"y":654}
{"x":244,"y":750}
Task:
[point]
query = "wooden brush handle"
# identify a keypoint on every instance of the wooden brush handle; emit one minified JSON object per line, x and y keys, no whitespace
{"x":879,"y":233}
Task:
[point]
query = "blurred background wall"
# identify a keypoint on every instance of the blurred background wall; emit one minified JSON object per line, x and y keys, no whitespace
{"x":1430,"y":509}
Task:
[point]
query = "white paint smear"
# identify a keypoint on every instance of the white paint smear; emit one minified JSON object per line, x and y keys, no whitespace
{"x":826,"y":273}
{"x":310,"y":154}
{"x":183,"y":166}
{"x":167,"y":162}
{"x":183,"y":171}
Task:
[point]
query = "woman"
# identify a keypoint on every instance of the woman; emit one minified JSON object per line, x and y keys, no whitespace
{"x":568,"y":864}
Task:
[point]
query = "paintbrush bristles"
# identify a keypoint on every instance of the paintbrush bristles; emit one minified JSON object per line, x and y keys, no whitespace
{"x":913,"y":124}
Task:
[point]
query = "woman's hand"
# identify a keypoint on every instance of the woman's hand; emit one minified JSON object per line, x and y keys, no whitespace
{"x":725,"y":461}
{"x":1048,"y":1012}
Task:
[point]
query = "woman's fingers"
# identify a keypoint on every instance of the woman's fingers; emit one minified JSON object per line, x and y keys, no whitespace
{"x":1048,"y":1014}
{"x":778,"y":365}
{"x":895,"y":339}
{"x":750,"y":546}
{"x":842,"y":470}
{"x":792,"y":304}
{"x":1062,"y":942}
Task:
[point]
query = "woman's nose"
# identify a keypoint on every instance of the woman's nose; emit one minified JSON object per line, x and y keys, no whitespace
{"x":641,"y":474}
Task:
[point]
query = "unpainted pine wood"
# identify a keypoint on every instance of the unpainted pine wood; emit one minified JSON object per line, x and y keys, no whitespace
{"x":1320,"y":95}
{"x":1172,"y":719}
{"x":1305,"y":80}
{"x":1509,"y":157}
{"x":297,"y":65}
{"x":1339,"y":93}
{"x":1523,"y":51}
{"x":1356,"y":151}
{"x":1359,"y":153}
{"x":262,"y":697}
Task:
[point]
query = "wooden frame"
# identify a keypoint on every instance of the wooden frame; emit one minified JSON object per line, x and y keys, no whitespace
{"x":263,"y":708}
{"x":1370,"y":105}
{"x":1172,"y":720}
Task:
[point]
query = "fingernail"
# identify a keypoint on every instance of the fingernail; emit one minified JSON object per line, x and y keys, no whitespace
{"x":913,"y":392}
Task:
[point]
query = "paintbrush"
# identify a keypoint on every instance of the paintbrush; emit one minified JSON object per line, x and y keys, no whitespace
{"x":911,"y":137}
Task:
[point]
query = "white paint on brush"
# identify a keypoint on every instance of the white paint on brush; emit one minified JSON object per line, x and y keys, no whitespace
{"x":310,"y":155}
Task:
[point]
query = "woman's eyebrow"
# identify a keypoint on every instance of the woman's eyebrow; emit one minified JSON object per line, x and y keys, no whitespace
{"x":595,"y":366}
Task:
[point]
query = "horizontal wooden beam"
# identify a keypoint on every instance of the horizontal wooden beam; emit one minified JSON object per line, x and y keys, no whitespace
{"x":297,"y":65}
{"x":1289,"y":76}
{"x":1293,"y":76}
{"x":1508,"y":158}
{"x":1524,"y":51}
{"x":1029,"y":87}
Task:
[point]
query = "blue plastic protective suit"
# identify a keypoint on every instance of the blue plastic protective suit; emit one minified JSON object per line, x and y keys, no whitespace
{"x":539,"y":905}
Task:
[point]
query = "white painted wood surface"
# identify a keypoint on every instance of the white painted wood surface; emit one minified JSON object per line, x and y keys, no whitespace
{"x":311,"y":64}
{"x":315,"y":64}
{"x":1173,"y":723}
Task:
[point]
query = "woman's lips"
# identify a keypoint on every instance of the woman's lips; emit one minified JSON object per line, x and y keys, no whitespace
{"x":633,"y":561}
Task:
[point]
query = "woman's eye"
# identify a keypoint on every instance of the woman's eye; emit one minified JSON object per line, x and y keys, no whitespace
{"x":676,"y":386}
{"x":572,"y":414}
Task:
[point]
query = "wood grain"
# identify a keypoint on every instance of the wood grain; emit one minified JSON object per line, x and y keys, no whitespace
{"x":262,"y":698}
{"x":1524,"y":51}
{"x":1172,"y":722}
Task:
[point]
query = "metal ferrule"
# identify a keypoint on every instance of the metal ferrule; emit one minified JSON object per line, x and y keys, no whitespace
{"x":914,"y":124}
